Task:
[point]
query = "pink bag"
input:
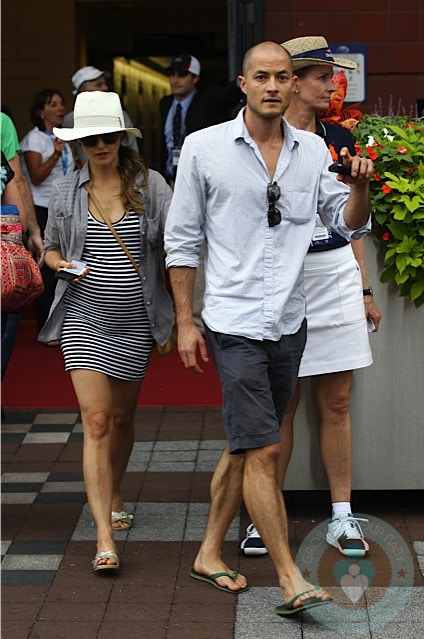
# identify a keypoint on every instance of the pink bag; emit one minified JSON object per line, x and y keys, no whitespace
{"x":21,"y":280}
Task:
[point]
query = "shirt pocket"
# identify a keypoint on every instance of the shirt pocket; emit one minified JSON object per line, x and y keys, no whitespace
{"x":153,"y":230}
{"x":296,"y":204}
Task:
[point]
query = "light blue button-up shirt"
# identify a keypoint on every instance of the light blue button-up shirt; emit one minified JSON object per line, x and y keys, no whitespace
{"x":254,"y":273}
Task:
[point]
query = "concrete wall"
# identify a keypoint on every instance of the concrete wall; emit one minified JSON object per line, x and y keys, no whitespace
{"x":387,"y":403}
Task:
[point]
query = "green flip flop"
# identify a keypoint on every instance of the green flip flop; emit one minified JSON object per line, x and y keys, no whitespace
{"x":211,"y":579}
{"x":311,"y":602}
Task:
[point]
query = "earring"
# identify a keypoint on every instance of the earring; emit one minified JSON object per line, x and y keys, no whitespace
{"x":297,"y":91}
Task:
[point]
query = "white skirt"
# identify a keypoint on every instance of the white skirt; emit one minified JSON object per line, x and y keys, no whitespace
{"x":337,"y":337}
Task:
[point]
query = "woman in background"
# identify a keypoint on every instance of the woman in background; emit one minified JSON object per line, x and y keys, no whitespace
{"x":47,"y":158}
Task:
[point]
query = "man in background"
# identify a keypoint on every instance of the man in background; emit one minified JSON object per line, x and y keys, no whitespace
{"x":186,"y":110}
{"x":93,"y":79}
{"x":189,"y":108}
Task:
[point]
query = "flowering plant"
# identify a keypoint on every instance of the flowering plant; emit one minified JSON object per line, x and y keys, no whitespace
{"x":395,"y":143}
{"x":396,"y":146}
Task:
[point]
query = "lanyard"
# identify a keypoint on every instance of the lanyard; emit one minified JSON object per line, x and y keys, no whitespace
{"x":64,"y":154}
{"x":324,"y":130}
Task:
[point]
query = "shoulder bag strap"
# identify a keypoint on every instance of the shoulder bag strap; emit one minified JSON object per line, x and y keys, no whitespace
{"x":112,"y":229}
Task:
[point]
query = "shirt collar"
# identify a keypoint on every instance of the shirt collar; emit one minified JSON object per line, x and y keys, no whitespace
{"x":84,"y":175}
{"x":184,"y":103}
{"x":240,"y":131}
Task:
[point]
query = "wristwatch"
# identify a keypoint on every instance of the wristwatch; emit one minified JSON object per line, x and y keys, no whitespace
{"x":367,"y":291}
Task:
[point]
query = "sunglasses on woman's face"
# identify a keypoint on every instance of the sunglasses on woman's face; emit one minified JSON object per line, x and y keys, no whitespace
{"x":92,"y":140}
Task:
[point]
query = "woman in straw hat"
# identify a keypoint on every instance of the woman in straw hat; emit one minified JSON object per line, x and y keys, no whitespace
{"x":109,"y":316}
{"x":338,"y":302}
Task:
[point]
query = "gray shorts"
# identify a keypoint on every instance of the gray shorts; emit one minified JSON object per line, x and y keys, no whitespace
{"x":257,"y":380}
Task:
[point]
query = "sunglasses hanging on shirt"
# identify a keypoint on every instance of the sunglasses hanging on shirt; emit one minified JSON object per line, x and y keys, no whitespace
{"x":273,"y":195}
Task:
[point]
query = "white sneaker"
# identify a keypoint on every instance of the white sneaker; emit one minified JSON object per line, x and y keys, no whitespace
{"x":253,"y":544}
{"x":346,"y":535}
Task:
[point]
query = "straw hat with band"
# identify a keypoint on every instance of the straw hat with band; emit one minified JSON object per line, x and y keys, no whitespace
{"x":312,"y":50}
{"x":96,"y":112}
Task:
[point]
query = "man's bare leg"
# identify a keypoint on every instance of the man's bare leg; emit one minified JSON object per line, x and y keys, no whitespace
{"x":286,"y":431}
{"x":226,"y":498}
{"x":264,"y":501}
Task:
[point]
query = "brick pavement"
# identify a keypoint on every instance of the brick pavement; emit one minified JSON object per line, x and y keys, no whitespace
{"x":50,"y":592}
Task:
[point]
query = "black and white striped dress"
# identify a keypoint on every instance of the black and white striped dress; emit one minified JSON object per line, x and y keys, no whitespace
{"x":106,"y":328}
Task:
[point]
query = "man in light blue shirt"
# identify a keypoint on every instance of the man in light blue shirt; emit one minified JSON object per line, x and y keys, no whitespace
{"x":251,"y":189}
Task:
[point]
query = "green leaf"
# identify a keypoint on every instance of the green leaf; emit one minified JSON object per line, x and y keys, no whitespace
{"x":388,"y":254}
{"x":417,"y":289}
{"x":401,"y":278}
{"x":397,"y":230}
{"x":413,"y":203}
{"x":401,"y":263}
{"x":399,"y":212}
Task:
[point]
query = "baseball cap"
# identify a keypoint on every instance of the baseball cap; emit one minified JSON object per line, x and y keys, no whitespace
{"x":185,"y":62}
{"x":86,"y":74}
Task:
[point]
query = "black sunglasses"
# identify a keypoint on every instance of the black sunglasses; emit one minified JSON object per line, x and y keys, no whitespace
{"x":92,"y":140}
{"x":273,"y":195}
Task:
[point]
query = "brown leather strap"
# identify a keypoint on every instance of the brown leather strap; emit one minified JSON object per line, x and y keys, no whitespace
{"x":112,"y":229}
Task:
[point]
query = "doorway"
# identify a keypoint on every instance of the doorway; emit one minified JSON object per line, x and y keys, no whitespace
{"x":136,"y":39}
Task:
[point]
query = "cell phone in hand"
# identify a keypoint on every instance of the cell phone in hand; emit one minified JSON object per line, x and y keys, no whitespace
{"x":71,"y":273}
{"x":340,"y":167}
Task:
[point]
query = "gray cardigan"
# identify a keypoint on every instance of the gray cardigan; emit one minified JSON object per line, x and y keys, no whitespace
{"x":66,"y":231}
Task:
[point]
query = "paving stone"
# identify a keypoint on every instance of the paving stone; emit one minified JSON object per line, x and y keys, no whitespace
{"x":49,"y":543}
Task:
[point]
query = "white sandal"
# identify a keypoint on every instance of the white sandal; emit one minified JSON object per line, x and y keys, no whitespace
{"x":101,"y":556}
{"x":123,"y":517}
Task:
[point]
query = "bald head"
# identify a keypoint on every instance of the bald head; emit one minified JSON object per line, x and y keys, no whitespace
{"x":268,"y":48}
{"x":267,"y":81}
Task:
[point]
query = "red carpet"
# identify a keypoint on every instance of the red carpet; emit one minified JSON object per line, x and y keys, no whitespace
{"x":36,"y":378}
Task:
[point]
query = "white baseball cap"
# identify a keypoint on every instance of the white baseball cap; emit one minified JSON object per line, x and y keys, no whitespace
{"x":185,"y":62}
{"x":86,"y":74}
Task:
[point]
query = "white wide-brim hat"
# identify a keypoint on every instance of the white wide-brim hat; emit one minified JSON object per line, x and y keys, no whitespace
{"x":96,"y":112}
{"x":312,"y":50}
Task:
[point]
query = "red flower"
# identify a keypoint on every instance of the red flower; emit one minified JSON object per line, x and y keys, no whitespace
{"x":377,"y":178}
{"x":386,"y":236}
{"x":386,"y":188}
{"x":358,"y":148}
{"x":402,"y":150}
{"x":409,"y":171}
{"x":371,"y":153}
